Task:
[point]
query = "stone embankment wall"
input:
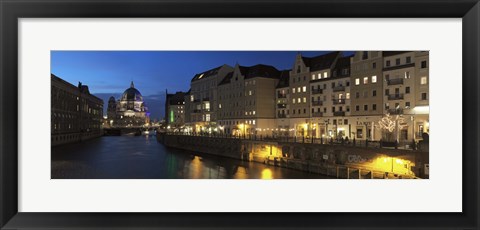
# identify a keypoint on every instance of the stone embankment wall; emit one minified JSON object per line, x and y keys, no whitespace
{"x":333,"y":160}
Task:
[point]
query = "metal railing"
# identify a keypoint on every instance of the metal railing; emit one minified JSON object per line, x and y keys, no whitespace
{"x":395,"y":111}
{"x":317,"y":103}
{"x":339,"y":113}
{"x":396,"y":81}
{"x":317,"y":91}
{"x":281,"y":105}
{"x":397,"y":96}
{"x":339,"y":88}
{"x":281,"y":115}
{"x":338,"y":101}
{"x":317,"y":114}
{"x":403,"y":144}
{"x":281,"y":95}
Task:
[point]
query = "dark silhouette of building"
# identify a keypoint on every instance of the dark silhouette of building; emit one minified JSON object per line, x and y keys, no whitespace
{"x":76,"y":114}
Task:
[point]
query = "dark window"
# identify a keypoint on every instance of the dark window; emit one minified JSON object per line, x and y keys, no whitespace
{"x":324,"y":109}
{"x":357,"y":94}
{"x":333,"y":109}
{"x":324,"y":86}
{"x":345,"y":121}
{"x":359,"y":133}
{"x":374,"y":93}
{"x":407,"y":89}
{"x":348,"y":83}
{"x":357,"y":108}
{"x":424,"y":96}
{"x":313,"y":110}
{"x":407,"y":104}
{"x":397,"y":61}
{"x":387,"y":63}
{"x":334,"y":121}
{"x":374,"y":107}
{"x":424,"y":64}
{"x":304,"y":78}
{"x":298,"y":111}
{"x":374,"y":65}
{"x":365,"y":107}
{"x":298,"y":69}
{"x":304,"y":110}
{"x":333,"y":84}
{"x":293,"y":111}
{"x":409,"y":59}
{"x":387,"y":92}
{"x":365,"y":55}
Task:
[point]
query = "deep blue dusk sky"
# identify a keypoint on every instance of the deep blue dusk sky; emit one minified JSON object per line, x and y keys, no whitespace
{"x":108,"y":73}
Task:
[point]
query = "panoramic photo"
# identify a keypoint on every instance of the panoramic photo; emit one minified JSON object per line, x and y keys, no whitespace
{"x":240,"y":114}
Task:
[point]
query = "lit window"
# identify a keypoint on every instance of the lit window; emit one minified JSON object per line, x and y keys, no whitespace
{"x":192,"y":98}
{"x":319,"y":76}
{"x":250,"y":92}
{"x":340,"y":95}
{"x":365,"y":80}
{"x":348,"y":96}
{"x":304,"y":89}
{"x":298,"y":90}
{"x":253,"y":112}
{"x":423,"y":80}
{"x":207,"y":117}
{"x":293,"y":90}
{"x":313,"y":76}
{"x":298,"y":100}
{"x":253,"y":121}
{"x":246,"y":113}
{"x":304,"y":100}
{"x":407,"y":75}
{"x":325,"y":74}
{"x":357,"y":81}
{"x":219,"y":106}
{"x":293,"y":100}
{"x":374,"y":79}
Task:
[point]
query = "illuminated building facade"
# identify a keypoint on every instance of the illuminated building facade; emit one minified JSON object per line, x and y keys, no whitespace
{"x":175,"y":111}
{"x":246,"y":99}
{"x":129,"y":111}
{"x":202,"y":104}
{"x":76,"y":114}
{"x":331,"y":95}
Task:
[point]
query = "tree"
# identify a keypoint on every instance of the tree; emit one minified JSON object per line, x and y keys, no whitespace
{"x":390,"y":126}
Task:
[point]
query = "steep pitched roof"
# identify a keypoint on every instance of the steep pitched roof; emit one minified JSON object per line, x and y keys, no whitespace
{"x":260,"y":70}
{"x":227,"y":79}
{"x":206,"y":74}
{"x":324,"y":61}
{"x":284,"y":79}
{"x":392,"y":53}
{"x":342,"y":63}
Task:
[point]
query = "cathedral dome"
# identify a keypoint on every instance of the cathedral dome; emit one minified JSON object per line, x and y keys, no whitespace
{"x":132,"y":94}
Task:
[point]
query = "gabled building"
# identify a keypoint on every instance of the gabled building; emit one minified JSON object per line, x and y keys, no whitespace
{"x":202,"y":104}
{"x":367,"y":106}
{"x":247,"y":100}
{"x":330,"y":101}
{"x":306,"y":71}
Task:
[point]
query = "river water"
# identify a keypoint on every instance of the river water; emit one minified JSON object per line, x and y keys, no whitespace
{"x":142,"y":157}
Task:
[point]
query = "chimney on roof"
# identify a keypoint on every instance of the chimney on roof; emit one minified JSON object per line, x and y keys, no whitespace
{"x":131,"y":85}
{"x":79,"y":85}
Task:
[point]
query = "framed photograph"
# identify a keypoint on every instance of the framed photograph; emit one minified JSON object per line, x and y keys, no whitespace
{"x":250,"y":115}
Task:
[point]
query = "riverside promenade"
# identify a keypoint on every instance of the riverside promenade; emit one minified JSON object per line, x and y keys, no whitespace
{"x":327,"y":158}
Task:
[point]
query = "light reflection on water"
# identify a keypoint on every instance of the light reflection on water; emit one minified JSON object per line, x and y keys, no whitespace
{"x":142,"y":157}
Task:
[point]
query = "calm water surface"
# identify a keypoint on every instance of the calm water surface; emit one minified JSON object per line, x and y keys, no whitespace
{"x":142,"y":157}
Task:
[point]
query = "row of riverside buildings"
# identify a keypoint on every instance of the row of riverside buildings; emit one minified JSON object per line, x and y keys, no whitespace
{"x":331,"y":95}
{"x":76,"y":114}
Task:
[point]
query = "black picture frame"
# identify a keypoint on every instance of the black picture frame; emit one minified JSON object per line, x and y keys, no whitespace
{"x":11,"y":11}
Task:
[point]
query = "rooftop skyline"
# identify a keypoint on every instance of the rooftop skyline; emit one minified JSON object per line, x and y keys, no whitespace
{"x":109,"y":73}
